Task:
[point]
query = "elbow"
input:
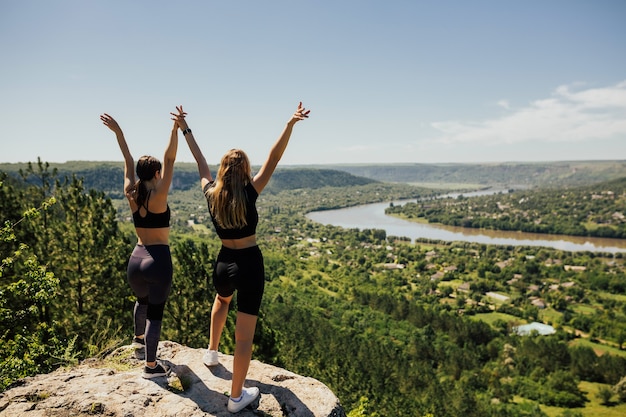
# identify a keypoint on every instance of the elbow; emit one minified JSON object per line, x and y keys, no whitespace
{"x":169,"y":160}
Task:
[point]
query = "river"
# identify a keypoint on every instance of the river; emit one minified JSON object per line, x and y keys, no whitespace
{"x":372,"y":216}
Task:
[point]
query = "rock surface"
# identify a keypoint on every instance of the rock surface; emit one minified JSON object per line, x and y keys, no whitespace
{"x":114,"y":387}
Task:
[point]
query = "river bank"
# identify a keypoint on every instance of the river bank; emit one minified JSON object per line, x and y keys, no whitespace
{"x":372,"y":216}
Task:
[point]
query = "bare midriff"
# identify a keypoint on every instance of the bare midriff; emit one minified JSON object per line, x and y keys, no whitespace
{"x":158,"y":236}
{"x":243,"y":243}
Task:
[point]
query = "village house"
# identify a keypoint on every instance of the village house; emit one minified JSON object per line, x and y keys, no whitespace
{"x":575,"y":268}
{"x":393,"y":266}
{"x":436,"y":276}
{"x":538,"y":302}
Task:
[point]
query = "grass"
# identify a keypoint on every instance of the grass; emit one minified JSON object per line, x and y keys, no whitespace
{"x":600,"y":349}
{"x":593,"y":408}
{"x":123,"y":359}
{"x":609,"y":296}
{"x":179,"y":384}
{"x":491,"y":318}
{"x":452,"y":283}
{"x":549,"y":315}
{"x":584,"y":309}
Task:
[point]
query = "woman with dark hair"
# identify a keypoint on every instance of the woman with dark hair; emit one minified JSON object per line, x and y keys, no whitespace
{"x":150,"y":268}
{"x":239,"y":265}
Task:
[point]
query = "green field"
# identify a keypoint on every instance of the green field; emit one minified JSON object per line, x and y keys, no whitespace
{"x":599,"y":348}
{"x":491,"y":318}
{"x":593,"y":408}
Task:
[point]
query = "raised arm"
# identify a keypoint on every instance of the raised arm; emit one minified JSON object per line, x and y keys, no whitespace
{"x":262,"y":177}
{"x":203,"y":167}
{"x":129,"y":164}
{"x":167,"y":170}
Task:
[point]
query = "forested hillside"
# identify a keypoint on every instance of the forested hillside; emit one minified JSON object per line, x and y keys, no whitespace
{"x":505,"y":174}
{"x":594,"y":210}
{"x":394,"y":328}
{"x":105,"y":176}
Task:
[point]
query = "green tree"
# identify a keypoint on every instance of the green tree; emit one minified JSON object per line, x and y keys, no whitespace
{"x":28,"y":345}
{"x":88,"y":253}
{"x":188,"y":310}
{"x":604,"y":394}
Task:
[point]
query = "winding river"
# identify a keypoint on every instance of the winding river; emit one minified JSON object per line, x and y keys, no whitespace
{"x":372,"y":216}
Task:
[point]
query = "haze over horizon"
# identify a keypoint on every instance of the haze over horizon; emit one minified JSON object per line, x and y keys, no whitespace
{"x":386,"y":82}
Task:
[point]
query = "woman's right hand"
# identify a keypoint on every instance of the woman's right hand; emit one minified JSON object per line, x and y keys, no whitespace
{"x":110,"y":122}
{"x":179,"y":117}
{"x":300,"y":114}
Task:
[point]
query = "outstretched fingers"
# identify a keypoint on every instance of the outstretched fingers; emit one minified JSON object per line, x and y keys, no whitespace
{"x":109,"y":122}
{"x":301,"y":113}
{"x":180,"y":115}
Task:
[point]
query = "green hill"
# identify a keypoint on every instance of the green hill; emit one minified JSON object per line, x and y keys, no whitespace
{"x":107,"y":176}
{"x":508,"y":174}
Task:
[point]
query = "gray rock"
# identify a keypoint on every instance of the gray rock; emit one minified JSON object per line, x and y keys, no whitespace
{"x":114,"y":387}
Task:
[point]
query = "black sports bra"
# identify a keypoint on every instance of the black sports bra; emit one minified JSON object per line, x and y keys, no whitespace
{"x":152,"y":220}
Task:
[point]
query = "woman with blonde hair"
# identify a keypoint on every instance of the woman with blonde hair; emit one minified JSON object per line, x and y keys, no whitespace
{"x":239,"y":265}
{"x":149,"y":270}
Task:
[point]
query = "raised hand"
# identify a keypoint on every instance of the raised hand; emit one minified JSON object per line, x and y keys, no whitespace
{"x":110,"y":122}
{"x":179,"y":117}
{"x":300,"y":114}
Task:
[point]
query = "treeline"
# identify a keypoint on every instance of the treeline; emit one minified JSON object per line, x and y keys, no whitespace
{"x":105,"y":176}
{"x":510,"y":174}
{"x":389,"y":341}
{"x":598,"y":210}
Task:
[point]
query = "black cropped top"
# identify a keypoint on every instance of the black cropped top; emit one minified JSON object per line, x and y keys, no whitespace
{"x":152,"y":220}
{"x":252,"y":216}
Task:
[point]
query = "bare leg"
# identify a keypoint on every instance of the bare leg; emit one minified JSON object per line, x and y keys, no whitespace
{"x":219,"y":313}
{"x":244,"y":335}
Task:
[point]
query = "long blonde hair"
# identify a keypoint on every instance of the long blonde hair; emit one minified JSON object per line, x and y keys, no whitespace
{"x":227,"y":197}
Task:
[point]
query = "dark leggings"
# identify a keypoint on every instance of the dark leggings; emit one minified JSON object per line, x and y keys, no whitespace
{"x":241,"y":270}
{"x":150,"y":274}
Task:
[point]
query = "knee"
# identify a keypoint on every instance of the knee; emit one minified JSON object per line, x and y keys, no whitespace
{"x":244,"y":328}
{"x":225,"y":301}
{"x":244,"y":341}
{"x":155,"y":311}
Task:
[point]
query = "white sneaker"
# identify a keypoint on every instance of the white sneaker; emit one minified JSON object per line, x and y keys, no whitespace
{"x":210,"y":358}
{"x":248,"y":395}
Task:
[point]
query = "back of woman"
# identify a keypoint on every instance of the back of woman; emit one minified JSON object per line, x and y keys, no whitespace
{"x":150,"y":269}
{"x":239,"y":267}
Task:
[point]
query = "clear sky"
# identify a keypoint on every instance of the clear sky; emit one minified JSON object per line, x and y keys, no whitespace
{"x":386,"y":81}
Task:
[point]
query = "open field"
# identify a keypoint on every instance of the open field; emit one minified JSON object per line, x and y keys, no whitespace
{"x":593,"y":408}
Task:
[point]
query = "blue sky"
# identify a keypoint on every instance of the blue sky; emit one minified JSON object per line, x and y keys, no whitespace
{"x":386,"y":81}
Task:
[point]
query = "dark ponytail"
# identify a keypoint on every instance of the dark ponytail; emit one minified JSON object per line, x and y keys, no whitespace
{"x":147,"y":166}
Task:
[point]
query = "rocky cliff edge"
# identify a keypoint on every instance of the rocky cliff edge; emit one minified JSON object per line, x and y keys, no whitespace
{"x":113,"y":386}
